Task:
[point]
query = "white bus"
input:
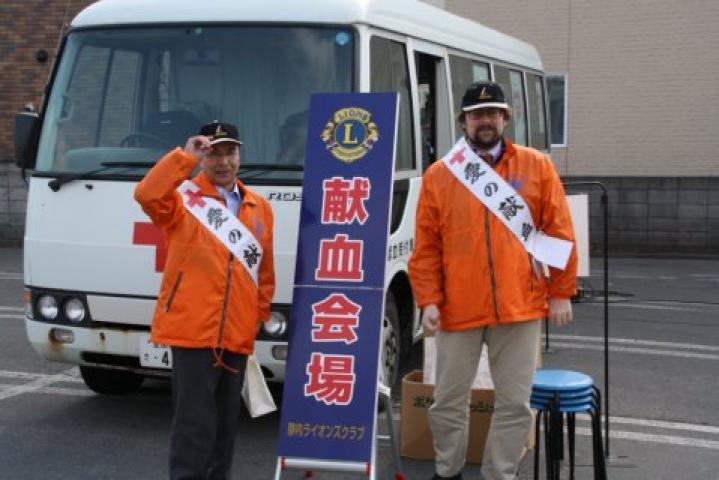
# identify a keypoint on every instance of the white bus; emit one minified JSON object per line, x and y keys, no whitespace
{"x":135,"y":78}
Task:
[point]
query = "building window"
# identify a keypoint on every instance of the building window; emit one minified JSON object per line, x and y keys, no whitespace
{"x":557,"y":89}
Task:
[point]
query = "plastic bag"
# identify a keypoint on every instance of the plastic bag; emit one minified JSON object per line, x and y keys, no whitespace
{"x":255,"y":393}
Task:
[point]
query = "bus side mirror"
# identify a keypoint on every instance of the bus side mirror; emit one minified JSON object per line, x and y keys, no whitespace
{"x":27,"y":137}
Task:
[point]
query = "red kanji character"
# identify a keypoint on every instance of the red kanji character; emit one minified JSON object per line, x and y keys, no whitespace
{"x":331,"y":378}
{"x":334,"y":200}
{"x":340,"y":259}
{"x":194,"y":198}
{"x":458,"y":157}
{"x":343,"y":201}
{"x":335,"y":319}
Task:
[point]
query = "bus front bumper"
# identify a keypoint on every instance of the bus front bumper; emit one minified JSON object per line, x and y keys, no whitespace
{"x":120,"y":348}
{"x":103,"y":347}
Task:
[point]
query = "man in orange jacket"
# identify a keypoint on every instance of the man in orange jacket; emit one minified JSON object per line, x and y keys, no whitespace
{"x":216,"y":289}
{"x":487,"y":214}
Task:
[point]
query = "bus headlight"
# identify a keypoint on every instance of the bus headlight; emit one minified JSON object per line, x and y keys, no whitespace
{"x":74,"y":310}
{"x":276,"y":326}
{"x":47,"y":307}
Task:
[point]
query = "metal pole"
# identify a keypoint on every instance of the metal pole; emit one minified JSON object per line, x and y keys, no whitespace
{"x":605,"y":205}
{"x":546,"y":334}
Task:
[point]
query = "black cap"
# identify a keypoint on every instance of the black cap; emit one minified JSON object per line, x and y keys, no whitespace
{"x":483,"y":95}
{"x":219,"y":132}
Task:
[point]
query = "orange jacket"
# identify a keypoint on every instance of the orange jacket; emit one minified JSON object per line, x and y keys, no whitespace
{"x":207,"y":297}
{"x":469,"y":264}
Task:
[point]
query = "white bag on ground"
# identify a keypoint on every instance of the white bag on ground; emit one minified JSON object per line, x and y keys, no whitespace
{"x":255,"y":393}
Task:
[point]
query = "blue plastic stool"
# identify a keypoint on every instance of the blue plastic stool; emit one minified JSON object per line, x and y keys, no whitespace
{"x":556,"y":393}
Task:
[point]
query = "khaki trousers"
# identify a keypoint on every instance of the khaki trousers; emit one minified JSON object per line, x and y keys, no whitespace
{"x":512,"y":351}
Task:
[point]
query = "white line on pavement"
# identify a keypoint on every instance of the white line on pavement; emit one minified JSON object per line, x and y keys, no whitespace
{"x":636,"y":341}
{"x":32,"y":376}
{"x":643,"y":351}
{"x":57,"y":391}
{"x":657,"y":424}
{"x":648,"y":306}
{"x":34,"y":385}
{"x":11,"y":276}
{"x":636,"y":277}
{"x":12,"y":309}
{"x":650,"y":437}
{"x":17,"y":317}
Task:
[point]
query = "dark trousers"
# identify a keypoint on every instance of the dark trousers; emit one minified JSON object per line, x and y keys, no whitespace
{"x":207,"y":402}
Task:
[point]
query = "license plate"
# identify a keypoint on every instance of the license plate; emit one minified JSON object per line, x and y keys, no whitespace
{"x":154,"y":355}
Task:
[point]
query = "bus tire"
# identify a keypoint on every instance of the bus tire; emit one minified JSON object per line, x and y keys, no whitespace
{"x":110,"y":382}
{"x":391,"y":343}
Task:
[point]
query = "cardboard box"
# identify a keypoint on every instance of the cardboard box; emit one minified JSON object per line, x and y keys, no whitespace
{"x":415,"y":435}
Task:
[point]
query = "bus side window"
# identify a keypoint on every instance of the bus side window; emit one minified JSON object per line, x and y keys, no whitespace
{"x":389,"y":72}
{"x":537,"y":112}
{"x":434,"y":108}
{"x":464,"y":72}
{"x":513,"y":86}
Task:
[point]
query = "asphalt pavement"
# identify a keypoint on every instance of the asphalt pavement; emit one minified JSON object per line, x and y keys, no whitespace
{"x":663,"y":395}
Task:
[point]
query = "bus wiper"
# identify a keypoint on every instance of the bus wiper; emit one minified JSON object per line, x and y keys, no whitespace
{"x":58,"y":182}
{"x":259,"y":169}
{"x":271,"y":166}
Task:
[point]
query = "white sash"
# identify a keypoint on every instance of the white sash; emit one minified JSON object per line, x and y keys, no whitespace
{"x":506,"y":204}
{"x":225,"y":226}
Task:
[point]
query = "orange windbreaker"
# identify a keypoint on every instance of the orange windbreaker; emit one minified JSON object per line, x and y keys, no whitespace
{"x":207,"y":297}
{"x":468,"y":263}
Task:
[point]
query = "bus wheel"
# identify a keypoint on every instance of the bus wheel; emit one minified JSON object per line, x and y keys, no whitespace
{"x":391,"y":343}
{"x":110,"y":382}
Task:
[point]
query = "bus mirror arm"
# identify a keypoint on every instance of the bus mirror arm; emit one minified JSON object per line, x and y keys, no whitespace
{"x":26,"y":137}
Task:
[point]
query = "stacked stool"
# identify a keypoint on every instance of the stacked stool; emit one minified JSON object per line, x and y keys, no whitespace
{"x":556,"y":393}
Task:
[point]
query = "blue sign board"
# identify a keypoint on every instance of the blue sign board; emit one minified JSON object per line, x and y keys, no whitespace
{"x":329,"y":399}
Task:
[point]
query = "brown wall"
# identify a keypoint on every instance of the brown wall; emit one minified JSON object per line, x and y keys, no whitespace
{"x":27,"y":26}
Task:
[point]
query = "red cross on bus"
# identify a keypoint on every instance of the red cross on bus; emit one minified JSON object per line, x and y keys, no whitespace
{"x":145,"y":233}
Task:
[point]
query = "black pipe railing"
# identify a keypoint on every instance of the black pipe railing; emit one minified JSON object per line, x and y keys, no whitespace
{"x":605,"y":205}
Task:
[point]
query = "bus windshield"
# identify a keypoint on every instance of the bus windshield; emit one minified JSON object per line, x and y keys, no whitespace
{"x":130,"y":94}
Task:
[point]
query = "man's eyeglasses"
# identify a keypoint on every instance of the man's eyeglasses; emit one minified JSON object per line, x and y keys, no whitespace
{"x":478,"y":113}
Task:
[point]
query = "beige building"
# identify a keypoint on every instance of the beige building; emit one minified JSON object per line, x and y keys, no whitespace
{"x":639,"y":111}
{"x":642,"y":109}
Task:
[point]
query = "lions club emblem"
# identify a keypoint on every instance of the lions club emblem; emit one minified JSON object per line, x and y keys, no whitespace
{"x":350,"y":134}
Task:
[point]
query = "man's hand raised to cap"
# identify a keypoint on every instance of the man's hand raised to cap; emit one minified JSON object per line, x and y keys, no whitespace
{"x":199,"y":146}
